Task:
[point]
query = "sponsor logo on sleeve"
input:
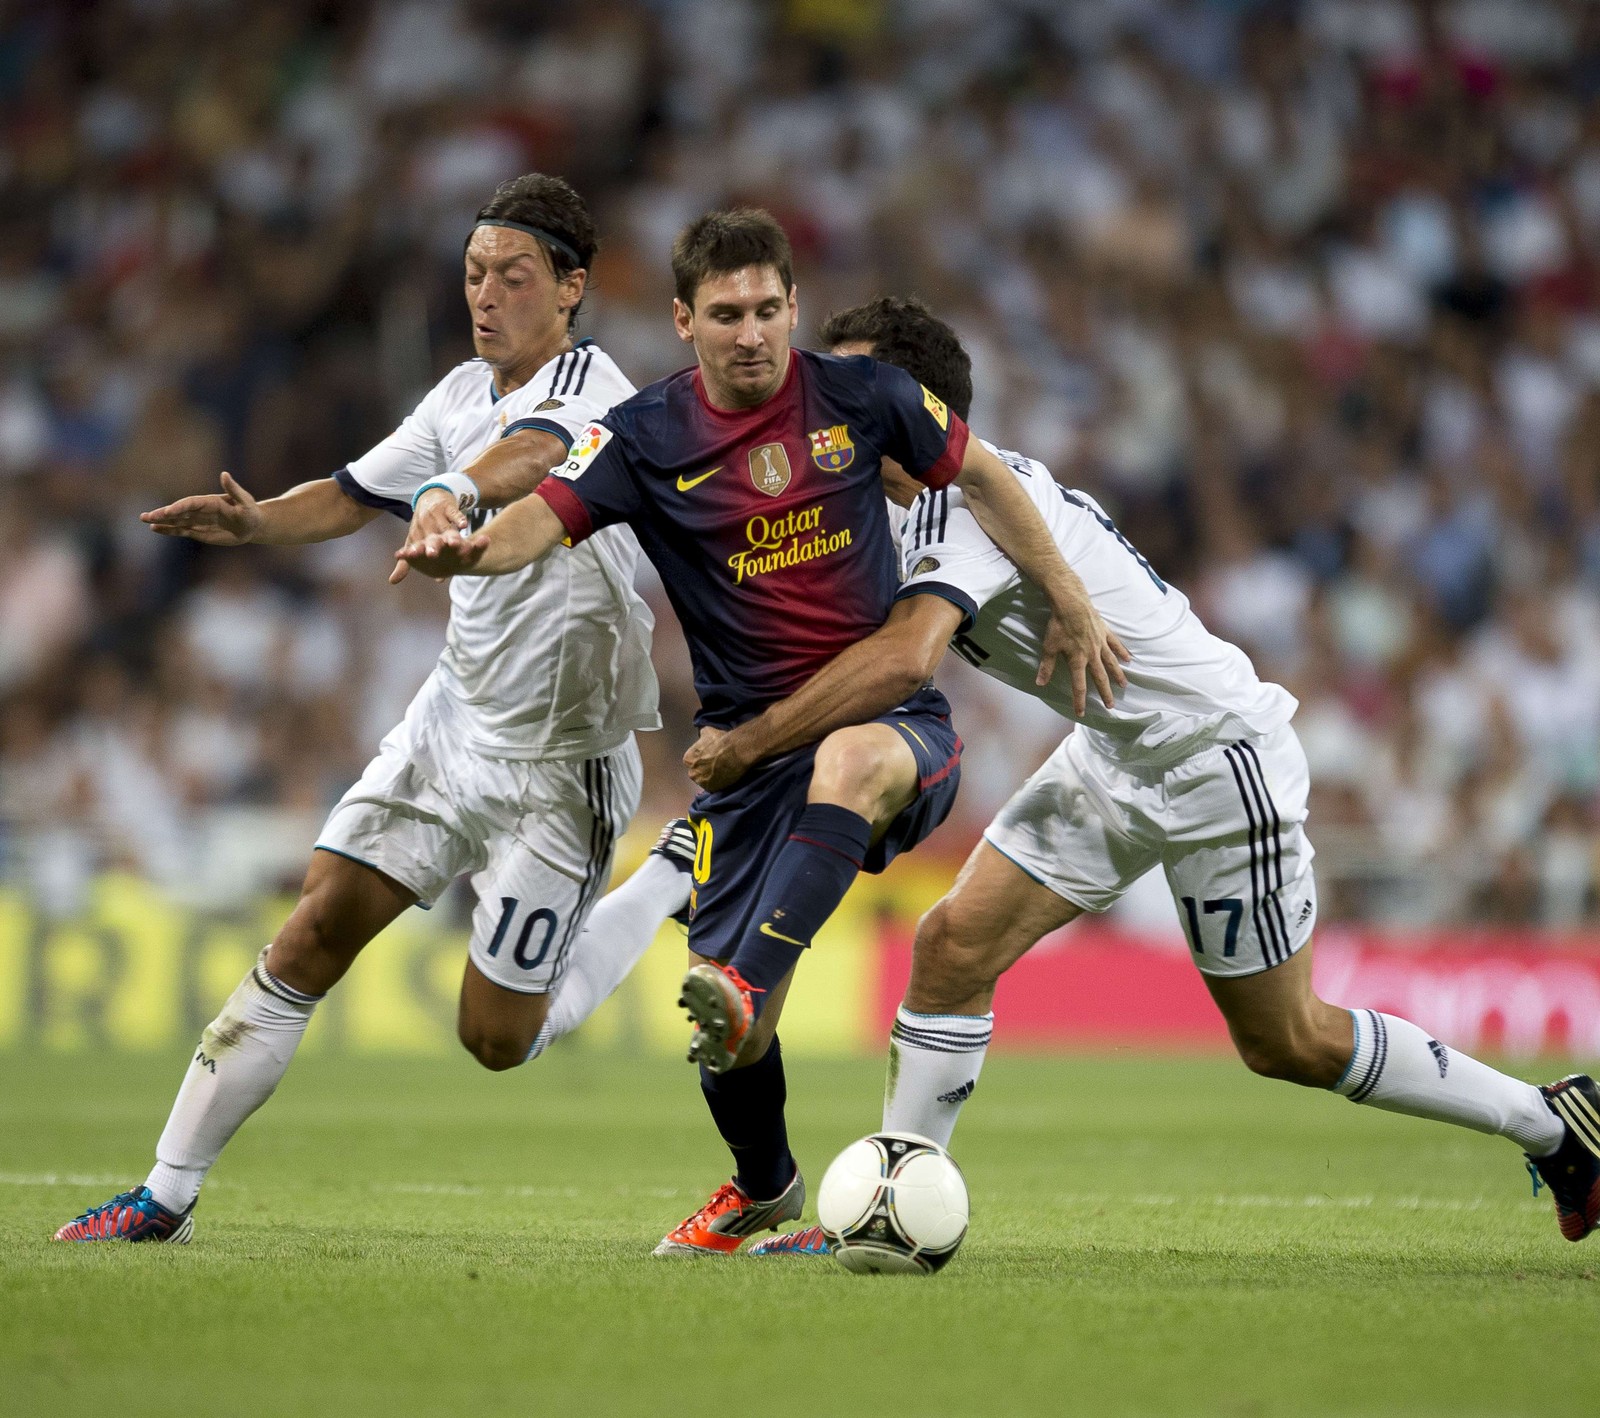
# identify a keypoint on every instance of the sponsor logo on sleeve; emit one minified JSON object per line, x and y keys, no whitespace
{"x":831,"y":448}
{"x":936,"y":406}
{"x":585,"y":447}
{"x":769,"y":468}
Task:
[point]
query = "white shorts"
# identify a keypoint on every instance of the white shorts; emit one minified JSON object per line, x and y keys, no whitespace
{"x":1227,"y":826}
{"x":537,"y":835}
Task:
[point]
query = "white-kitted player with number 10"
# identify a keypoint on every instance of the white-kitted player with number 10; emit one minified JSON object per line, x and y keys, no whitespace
{"x":515,"y":762}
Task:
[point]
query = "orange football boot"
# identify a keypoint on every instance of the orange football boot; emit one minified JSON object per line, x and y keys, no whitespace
{"x":723,"y":1011}
{"x":718,"y":1227}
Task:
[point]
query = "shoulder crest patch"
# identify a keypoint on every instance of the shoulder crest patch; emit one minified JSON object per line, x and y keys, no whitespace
{"x":936,"y":406}
{"x":769,"y":468}
{"x":927,"y":564}
{"x":584,"y":449}
{"x":831,"y":448}
{"x":548,"y":404}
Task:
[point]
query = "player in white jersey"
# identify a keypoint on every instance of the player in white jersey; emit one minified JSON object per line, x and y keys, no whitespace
{"x":1195,"y":769}
{"x":516,"y":760}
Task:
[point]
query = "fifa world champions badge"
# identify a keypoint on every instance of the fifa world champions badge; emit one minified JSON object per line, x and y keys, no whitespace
{"x":831,"y":448}
{"x":769,"y":468}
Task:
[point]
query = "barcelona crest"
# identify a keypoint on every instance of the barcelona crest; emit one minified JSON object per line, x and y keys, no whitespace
{"x":831,"y":448}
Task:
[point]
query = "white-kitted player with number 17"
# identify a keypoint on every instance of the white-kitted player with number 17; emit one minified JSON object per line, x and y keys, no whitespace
{"x":1196,"y":769}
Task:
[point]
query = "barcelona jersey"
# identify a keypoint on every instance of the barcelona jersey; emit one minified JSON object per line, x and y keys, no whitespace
{"x":768,"y":525}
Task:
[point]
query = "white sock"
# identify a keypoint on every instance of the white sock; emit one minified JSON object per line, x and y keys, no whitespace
{"x":934,"y":1063}
{"x":242,"y":1055}
{"x":1400,"y":1069}
{"x":619,"y":930}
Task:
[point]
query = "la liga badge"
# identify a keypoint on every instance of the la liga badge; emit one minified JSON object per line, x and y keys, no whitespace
{"x":584,"y":448}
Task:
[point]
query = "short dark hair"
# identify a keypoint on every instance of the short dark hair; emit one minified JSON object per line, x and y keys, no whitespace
{"x":550,"y":203}
{"x":904,"y":332}
{"x":720,"y":242}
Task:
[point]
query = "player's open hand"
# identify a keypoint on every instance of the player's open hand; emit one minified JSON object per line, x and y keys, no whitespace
{"x":1078,"y":635}
{"x":714,"y":760}
{"x":226,"y":519}
{"x":441,"y":555}
{"x":436,"y":512}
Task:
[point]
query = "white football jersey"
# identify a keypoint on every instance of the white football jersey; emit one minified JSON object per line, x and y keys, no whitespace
{"x":552,"y":661}
{"x":1186,"y":688}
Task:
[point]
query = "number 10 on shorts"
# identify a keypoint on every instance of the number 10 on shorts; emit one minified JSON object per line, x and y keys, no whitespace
{"x":1234,"y":908}
{"x":543,"y":916}
{"x":702,"y":850}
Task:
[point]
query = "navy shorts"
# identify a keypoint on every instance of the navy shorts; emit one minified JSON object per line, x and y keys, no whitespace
{"x":740,"y":831}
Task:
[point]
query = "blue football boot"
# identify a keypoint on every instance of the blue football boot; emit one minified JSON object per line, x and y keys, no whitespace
{"x":808,"y":1241}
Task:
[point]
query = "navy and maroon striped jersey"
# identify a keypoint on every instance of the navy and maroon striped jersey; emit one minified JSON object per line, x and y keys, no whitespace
{"x":768,"y":525}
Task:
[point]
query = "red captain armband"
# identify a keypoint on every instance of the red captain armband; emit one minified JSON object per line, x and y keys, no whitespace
{"x":948,"y":467}
{"x":568,"y":506}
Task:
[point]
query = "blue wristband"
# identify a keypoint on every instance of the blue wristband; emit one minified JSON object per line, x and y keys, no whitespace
{"x":458,"y":485}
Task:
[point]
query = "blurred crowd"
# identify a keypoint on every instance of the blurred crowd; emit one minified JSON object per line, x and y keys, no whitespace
{"x":1308,"y":294}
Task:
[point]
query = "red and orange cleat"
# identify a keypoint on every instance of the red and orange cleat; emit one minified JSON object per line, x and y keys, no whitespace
{"x":131,"y":1216}
{"x":723,"y":1012}
{"x":719,"y":1226}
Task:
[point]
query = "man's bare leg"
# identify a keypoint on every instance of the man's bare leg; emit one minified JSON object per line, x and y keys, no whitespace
{"x":861,"y":779}
{"x":1283,"y":1030}
{"x":246,"y":1049}
{"x":1280,"y":1027}
{"x":987,"y":921}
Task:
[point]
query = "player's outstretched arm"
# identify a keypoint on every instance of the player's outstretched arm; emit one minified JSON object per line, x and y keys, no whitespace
{"x":1076,"y":632}
{"x":519,"y":536}
{"x":867,"y":680}
{"x":312,"y":512}
{"x":503,"y":473}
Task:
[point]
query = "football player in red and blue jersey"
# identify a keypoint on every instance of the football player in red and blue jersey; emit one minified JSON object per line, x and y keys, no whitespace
{"x":752,"y":481}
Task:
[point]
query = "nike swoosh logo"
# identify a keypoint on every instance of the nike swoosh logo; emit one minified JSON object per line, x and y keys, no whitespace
{"x":914,"y":734}
{"x":684,"y":484}
{"x":778,"y":935}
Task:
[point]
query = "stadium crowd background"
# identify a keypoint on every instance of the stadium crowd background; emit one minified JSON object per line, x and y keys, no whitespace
{"x":1308,"y":294}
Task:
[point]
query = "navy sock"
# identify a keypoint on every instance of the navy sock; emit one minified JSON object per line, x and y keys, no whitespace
{"x":747,"y":1104}
{"x":813,"y":871}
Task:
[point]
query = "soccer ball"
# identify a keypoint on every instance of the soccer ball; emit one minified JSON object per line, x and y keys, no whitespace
{"x":894,"y":1204}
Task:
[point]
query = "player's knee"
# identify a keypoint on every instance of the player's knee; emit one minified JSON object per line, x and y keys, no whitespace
{"x":1285,"y":1052}
{"x":309,"y":931}
{"x":954,"y":960}
{"x":853,"y":770}
{"x":311,"y":943}
{"x":497,"y":1052}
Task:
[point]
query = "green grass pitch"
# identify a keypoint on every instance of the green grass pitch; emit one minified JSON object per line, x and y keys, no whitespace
{"x":1149,"y":1236}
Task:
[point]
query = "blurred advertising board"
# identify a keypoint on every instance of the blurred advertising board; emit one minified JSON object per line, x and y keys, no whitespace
{"x":138,"y":971}
{"x":1514,"y":993}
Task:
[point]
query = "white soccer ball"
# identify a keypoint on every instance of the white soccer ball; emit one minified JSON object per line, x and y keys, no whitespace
{"x":893,"y":1203}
